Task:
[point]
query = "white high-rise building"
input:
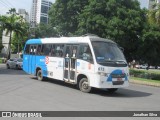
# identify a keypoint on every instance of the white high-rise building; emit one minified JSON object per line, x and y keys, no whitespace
{"x":39,"y":12}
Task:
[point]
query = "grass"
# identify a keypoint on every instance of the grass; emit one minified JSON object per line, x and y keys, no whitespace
{"x":0,"y":60}
{"x":146,"y":80}
{"x":149,"y":77}
{"x":150,"y":71}
{"x":150,"y":74}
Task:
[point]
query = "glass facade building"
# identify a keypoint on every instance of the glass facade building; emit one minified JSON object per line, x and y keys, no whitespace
{"x":39,"y":12}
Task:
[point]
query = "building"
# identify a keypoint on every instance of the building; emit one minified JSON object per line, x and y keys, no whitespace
{"x":23,"y":13}
{"x":39,"y":12}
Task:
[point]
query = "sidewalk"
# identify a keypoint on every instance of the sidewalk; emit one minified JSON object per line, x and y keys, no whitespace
{"x":144,"y":83}
{"x":2,"y":66}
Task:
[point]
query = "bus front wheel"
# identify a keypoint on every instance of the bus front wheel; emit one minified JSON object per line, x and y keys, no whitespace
{"x":84,"y":85}
{"x":39,"y":75}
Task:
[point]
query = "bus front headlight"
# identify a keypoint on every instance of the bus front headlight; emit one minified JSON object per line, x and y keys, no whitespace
{"x":103,"y":74}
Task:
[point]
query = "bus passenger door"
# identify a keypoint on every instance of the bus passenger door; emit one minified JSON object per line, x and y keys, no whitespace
{"x":70,"y":63}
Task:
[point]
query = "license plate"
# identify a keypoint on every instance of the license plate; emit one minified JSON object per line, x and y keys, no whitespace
{"x":119,"y":79}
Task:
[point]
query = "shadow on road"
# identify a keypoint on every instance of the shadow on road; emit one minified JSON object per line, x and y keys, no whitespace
{"x":122,"y":92}
{"x":11,"y":72}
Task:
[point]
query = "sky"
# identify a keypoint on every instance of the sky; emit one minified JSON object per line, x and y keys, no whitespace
{"x":5,"y":5}
{"x":144,"y":3}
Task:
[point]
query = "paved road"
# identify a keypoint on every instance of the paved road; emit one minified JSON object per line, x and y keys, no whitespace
{"x":22,"y":92}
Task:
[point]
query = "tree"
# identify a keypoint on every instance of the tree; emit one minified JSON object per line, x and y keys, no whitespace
{"x":1,"y":46}
{"x":119,"y":20}
{"x":150,"y":38}
{"x":18,"y":39}
{"x":45,"y":30}
{"x":12,"y":24}
{"x":2,"y":19}
{"x":149,"y":48}
{"x":154,"y":14}
{"x":64,"y":15}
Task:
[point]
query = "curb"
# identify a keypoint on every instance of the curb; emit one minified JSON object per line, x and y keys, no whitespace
{"x":144,"y":83}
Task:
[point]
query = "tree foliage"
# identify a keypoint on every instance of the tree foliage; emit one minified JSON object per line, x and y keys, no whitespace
{"x":13,"y":23}
{"x":1,"y":46}
{"x":64,"y":15}
{"x":150,"y":45}
{"x":119,"y":20}
{"x":154,"y":14}
{"x":44,"y":30}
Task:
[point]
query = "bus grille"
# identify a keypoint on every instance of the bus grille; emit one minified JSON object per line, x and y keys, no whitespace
{"x":118,"y":82}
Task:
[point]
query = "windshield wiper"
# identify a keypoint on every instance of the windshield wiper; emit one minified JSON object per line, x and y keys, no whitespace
{"x":120,"y":62}
{"x":116,"y":61}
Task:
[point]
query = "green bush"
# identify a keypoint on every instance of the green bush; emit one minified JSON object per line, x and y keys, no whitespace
{"x":144,"y":74}
{"x":0,"y":60}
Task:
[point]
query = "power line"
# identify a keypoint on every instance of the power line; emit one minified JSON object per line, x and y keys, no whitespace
{"x":7,"y":3}
{"x":4,"y":4}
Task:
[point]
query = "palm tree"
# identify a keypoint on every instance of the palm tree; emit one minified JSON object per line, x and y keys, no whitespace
{"x":154,"y":14}
{"x":12,"y":23}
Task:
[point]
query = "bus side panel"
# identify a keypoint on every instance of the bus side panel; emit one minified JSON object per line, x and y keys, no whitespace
{"x":40,"y":62}
{"x":85,"y":68}
{"x":32,"y":64}
{"x":55,"y":67}
{"x":26,"y":63}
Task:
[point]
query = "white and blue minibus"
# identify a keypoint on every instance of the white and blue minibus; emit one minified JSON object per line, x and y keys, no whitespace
{"x":87,"y":61}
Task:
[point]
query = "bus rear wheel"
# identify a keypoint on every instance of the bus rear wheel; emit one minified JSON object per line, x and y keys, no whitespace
{"x":84,"y":85}
{"x":39,"y":75}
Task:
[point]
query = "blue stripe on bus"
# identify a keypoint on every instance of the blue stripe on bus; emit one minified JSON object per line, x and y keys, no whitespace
{"x":34,"y":41}
{"x":117,"y":72}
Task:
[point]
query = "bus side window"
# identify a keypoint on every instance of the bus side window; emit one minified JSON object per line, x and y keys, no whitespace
{"x":45,"y":49}
{"x":59,"y":50}
{"x":38,"y":50}
{"x":34,"y":50}
{"x":68,"y":51}
{"x":27,"y":49}
{"x":85,"y":53}
{"x":74,"y":51}
{"x":52,"y":51}
{"x":31,"y":50}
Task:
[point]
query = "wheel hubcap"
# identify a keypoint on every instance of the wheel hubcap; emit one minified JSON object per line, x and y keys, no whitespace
{"x":85,"y":85}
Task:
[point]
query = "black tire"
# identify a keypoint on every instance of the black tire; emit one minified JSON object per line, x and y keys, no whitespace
{"x":112,"y":90}
{"x":39,"y":75}
{"x":8,"y":66}
{"x":83,"y":85}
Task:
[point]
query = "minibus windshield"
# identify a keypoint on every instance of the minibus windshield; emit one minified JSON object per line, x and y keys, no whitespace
{"x":108,"y":53}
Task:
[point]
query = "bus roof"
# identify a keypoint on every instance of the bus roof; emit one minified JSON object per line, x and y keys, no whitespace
{"x":83,"y":39}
